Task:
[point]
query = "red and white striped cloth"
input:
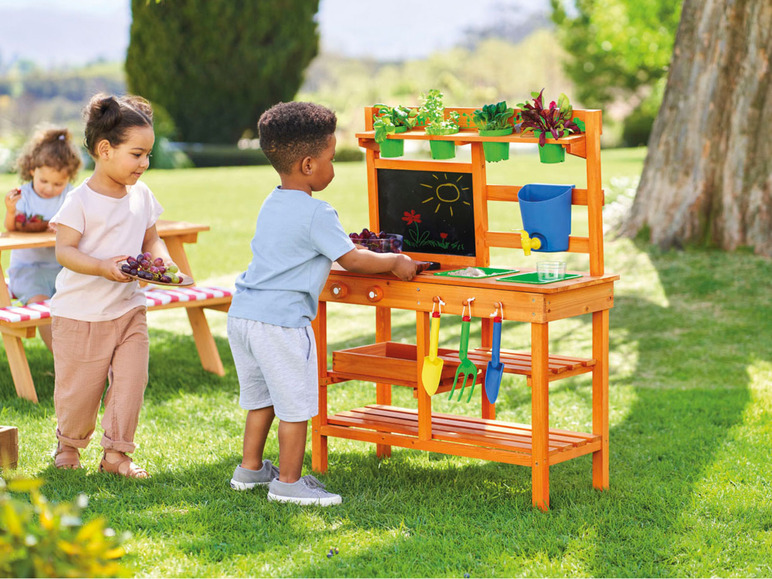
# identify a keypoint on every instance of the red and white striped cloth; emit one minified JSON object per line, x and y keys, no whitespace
{"x":36,"y":311}
{"x":160,"y":297}
{"x":154,"y":297}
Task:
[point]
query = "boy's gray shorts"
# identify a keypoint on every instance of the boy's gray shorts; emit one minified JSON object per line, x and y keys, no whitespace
{"x":276,"y":367}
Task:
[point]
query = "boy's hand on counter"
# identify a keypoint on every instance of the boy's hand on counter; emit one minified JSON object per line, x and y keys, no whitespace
{"x":404,"y":267}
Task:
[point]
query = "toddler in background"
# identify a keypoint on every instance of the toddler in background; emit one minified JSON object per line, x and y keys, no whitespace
{"x":48,"y":165}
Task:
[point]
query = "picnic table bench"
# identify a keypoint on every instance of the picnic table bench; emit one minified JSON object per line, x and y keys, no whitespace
{"x":17,"y":323}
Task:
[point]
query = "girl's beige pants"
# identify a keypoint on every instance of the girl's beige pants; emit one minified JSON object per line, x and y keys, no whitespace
{"x":87,"y":357}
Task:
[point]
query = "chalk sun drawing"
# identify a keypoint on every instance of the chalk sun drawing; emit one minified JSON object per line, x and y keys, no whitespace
{"x":445,"y":193}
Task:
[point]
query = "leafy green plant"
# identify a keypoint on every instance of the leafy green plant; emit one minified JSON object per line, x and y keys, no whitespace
{"x":493,"y":117}
{"x":432,"y":114}
{"x":40,"y":539}
{"x":387,"y":119}
{"x":557,"y":120}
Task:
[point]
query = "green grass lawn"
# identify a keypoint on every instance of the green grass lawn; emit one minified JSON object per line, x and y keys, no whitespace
{"x":690,"y":420}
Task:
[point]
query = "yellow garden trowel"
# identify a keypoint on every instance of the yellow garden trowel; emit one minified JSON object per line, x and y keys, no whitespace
{"x":432,"y":368}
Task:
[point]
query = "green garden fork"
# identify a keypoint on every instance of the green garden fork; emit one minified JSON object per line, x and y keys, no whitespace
{"x":466,"y":367}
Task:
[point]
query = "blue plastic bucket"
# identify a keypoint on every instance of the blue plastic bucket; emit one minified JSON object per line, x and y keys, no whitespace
{"x":546,"y":213}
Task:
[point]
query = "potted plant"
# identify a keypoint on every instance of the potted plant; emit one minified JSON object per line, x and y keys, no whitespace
{"x":555,"y":121}
{"x":392,"y":120}
{"x":432,"y":113}
{"x":493,"y":120}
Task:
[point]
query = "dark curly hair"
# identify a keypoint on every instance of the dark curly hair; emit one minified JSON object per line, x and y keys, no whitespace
{"x":49,"y":148}
{"x":291,"y":131}
{"x":109,"y":117}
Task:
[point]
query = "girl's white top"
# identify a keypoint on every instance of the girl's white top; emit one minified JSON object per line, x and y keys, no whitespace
{"x":110,"y":227}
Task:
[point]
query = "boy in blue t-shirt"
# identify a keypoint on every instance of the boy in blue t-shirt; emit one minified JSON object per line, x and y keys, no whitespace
{"x":296,"y":240}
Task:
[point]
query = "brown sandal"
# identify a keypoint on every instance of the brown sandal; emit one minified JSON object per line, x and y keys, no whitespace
{"x":124,"y":467}
{"x":66,"y":457}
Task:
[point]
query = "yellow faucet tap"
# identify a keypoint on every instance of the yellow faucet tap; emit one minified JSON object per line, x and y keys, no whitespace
{"x":528,"y":243}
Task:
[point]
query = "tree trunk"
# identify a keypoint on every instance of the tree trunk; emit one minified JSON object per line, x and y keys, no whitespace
{"x":707,"y":180}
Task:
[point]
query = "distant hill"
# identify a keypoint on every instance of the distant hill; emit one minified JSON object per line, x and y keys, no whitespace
{"x":59,"y":36}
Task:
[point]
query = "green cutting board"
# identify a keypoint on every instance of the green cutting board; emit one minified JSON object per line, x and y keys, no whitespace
{"x":489,"y":272}
{"x":533,"y":277}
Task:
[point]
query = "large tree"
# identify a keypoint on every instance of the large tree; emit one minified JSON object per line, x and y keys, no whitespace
{"x":707,"y":179}
{"x":216,"y":65}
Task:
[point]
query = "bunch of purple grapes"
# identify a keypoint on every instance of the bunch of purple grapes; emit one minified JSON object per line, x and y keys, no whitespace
{"x":149,"y":269}
{"x":378,"y":242}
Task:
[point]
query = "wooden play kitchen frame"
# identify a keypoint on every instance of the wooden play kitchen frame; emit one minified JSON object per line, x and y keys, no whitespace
{"x":389,"y":363}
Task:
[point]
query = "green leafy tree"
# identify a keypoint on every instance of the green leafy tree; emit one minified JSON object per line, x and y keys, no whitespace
{"x":216,"y":65}
{"x":619,"y":50}
{"x":616,"y":48}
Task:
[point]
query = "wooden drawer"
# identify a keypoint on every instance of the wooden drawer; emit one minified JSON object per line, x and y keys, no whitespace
{"x":388,"y":363}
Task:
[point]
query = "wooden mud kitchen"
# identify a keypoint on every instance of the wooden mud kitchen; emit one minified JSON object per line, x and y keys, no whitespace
{"x":441,"y":209}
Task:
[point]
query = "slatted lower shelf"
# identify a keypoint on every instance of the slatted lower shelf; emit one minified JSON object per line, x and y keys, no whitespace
{"x":458,"y":435}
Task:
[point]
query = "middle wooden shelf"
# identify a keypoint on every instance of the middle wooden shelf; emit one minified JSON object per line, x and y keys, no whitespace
{"x":395,"y":363}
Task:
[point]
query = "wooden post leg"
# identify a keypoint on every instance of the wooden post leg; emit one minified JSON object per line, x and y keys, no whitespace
{"x":17,"y":360}
{"x":319,"y":450}
{"x":383,"y":391}
{"x":424,"y":400}
{"x":600,"y":373}
{"x":205,"y":344}
{"x":488,"y":409}
{"x":540,"y":470}
{"x":177,"y":253}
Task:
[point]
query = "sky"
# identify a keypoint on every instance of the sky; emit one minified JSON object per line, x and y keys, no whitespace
{"x":71,"y":32}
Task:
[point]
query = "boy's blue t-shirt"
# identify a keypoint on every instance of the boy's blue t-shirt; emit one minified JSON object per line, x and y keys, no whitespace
{"x":296,"y":240}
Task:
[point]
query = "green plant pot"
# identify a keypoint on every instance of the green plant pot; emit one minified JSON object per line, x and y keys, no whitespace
{"x":394,"y":147}
{"x":443,"y":149}
{"x":495,"y":152}
{"x":552,"y":153}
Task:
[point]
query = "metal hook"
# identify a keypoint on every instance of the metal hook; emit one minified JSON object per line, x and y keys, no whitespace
{"x":465,"y":303}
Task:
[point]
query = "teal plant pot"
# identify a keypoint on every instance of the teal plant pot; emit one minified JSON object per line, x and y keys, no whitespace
{"x":443,"y":149}
{"x":495,"y":152}
{"x":394,"y":147}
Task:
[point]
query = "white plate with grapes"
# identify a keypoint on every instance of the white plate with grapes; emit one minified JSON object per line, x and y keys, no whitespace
{"x":146,"y":269}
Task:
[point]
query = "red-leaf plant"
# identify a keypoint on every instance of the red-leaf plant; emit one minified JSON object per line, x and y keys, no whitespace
{"x":557,"y":120}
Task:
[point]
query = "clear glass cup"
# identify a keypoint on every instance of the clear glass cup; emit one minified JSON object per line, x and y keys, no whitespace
{"x":551,"y":270}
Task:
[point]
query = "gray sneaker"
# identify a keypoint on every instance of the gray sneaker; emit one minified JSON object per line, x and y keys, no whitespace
{"x":245,"y":479}
{"x":306,"y":491}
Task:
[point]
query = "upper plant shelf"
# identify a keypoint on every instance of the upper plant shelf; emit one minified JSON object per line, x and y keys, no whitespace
{"x":467,"y":136}
{"x":574,"y":144}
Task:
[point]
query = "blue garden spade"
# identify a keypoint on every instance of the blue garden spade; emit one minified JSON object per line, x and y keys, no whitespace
{"x":495,"y":367}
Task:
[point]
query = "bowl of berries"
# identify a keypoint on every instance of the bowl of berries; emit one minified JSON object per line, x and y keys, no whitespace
{"x":30,"y":223}
{"x":378,"y":242}
{"x":145,"y":268}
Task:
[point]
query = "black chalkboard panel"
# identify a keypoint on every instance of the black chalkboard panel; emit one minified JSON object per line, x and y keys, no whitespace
{"x":432,"y":210}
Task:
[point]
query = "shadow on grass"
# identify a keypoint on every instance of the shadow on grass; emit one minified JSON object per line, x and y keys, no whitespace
{"x":690,"y":386}
{"x":174,"y":367}
{"x":423,"y":514}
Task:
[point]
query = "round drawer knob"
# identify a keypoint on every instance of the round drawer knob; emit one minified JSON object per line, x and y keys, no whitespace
{"x":375,"y":294}
{"x":338,"y":290}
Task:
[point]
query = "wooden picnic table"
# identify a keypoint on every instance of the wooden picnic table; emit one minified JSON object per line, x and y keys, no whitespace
{"x":175,"y":234}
